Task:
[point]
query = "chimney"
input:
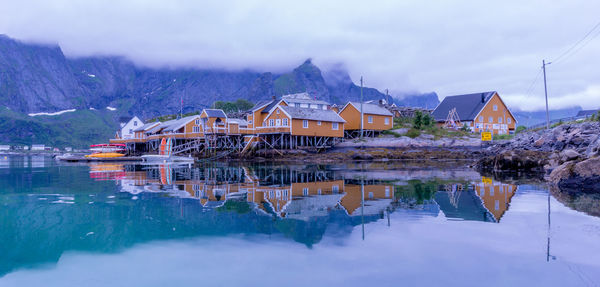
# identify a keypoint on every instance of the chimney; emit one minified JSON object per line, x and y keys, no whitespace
{"x":273,"y":97}
{"x":483,"y":97}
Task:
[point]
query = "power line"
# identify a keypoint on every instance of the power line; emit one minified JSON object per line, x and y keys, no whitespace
{"x":561,"y":56}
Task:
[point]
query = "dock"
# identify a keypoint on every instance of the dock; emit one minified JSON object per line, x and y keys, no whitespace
{"x":97,"y":159}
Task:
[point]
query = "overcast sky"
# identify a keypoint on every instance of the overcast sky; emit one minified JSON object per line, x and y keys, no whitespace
{"x":450,"y":47}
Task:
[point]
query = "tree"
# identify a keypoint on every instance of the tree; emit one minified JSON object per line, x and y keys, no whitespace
{"x":427,"y":120}
{"x":243,"y":105}
{"x":418,"y":120}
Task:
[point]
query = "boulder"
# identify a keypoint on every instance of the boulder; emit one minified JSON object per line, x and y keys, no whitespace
{"x":583,"y":176}
{"x":569,"y":154}
{"x":362,"y":156}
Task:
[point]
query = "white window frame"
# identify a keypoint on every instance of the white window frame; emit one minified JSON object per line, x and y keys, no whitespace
{"x":278,"y":122}
{"x":305,"y":124}
{"x":508,"y":120}
{"x":499,"y":120}
{"x":481,"y":119}
{"x":271,"y":122}
{"x":305,"y":191}
{"x":490,"y":119}
{"x":135,"y":123}
{"x":318,"y":123}
{"x":277,"y":111}
{"x":284,"y":122}
{"x":370,"y":119}
{"x":495,"y":108}
{"x":387,"y":121}
{"x":335,"y":126}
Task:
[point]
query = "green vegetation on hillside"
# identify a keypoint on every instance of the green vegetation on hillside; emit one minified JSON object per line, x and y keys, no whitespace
{"x":76,"y":129}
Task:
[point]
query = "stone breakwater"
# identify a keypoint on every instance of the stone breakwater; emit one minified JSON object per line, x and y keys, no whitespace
{"x":569,"y":155}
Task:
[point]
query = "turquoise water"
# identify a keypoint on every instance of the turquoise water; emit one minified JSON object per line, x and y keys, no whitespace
{"x":229,"y":224}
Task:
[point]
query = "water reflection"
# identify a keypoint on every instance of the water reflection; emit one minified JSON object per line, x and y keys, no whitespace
{"x":110,"y":208}
{"x":301,"y":193}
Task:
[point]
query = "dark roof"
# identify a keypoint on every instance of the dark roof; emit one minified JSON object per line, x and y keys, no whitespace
{"x":261,"y":104}
{"x":272,"y":104}
{"x":467,"y":106}
{"x":312,"y":114}
{"x":586,"y":113}
{"x":215,"y":113}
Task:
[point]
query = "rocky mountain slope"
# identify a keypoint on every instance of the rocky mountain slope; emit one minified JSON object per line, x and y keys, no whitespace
{"x":37,"y":78}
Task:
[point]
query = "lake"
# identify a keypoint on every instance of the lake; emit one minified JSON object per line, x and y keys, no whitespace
{"x":266,"y":224}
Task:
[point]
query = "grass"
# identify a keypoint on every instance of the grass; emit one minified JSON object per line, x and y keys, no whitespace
{"x":504,"y":137}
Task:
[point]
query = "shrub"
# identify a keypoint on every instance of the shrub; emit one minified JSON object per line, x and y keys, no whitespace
{"x":413,"y":133}
{"x":465,"y":128}
{"x":520,"y":129}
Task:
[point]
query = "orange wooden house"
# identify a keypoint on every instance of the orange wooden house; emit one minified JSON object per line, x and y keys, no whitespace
{"x":479,"y":112}
{"x":375,"y":119}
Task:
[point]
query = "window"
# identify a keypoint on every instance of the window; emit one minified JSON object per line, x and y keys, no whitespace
{"x":370,"y":119}
{"x":130,"y":130}
{"x":319,"y":106}
{"x":334,"y":126}
{"x":135,"y":123}
{"x":495,"y":107}
{"x":305,"y":191}
{"x":250,"y":122}
{"x":481,"y":119}
{"x":197,"y":122}
{"x":278,"y":122}
{"x":387,"y":191}
{"x":297,"y":105}
{"x":305,"y":124}
{"x":264,"y":123}
{"x":499,"y":120}
{"x":285,"y":122}
{"x":490,"y":119}
{"x":335,"y":188}
{"x":277,"y":111}
{"x":319,"y":191}
{"x":387,"y":121}
{"x":508,"y":121}
{"x":318,"y":123}
{"x":271,"y":122}
{"x":496,"y":204}
{"x":371,"y":195}
{"x":492,"y":191}
{"x":196,"y":129}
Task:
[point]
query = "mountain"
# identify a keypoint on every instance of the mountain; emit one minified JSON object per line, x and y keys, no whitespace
{"x":538,"y":117}
{"x":41,"y":79}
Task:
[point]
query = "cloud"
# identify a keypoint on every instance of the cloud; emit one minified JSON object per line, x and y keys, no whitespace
{"x":448,"y":47}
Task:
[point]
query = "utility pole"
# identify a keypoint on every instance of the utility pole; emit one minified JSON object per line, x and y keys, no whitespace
{"x":362,"y":120}
{"x":546,"y":93}
{"x":387,"y":97}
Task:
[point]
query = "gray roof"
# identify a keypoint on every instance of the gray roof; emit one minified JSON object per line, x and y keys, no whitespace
{"x":302,"y":98}
{"x":312,"y":114}
{"x":145,"y":126}
{"x":467,"y":106}
{"x":215,"y":113}
{"x":372,"y":109}
{"x":240,"y":122}
{"x":172,"y":124}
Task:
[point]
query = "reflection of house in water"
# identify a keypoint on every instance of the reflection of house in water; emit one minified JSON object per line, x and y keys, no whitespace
{"x":484,"y":201}
{"x":495,"y":196}
{"x":377,"y":197}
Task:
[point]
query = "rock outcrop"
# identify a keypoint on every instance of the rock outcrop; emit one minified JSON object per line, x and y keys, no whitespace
{"x":569,"y":154}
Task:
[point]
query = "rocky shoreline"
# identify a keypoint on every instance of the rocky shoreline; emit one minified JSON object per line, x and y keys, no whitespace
{"x":568,"y":156}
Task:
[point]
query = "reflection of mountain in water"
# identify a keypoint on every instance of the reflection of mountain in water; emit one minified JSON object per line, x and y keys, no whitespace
{"x":73,"y":208}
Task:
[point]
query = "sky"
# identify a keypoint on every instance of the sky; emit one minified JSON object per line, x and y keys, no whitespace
{"x":450,"y":47}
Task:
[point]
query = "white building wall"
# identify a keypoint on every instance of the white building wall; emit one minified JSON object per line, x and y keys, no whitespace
{"x":129,"y":127}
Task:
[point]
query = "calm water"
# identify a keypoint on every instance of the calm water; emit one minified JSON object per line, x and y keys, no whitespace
{"x":225,"y":224}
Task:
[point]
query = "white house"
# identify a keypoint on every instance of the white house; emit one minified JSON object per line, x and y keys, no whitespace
{"x":128,"y":127}
{"x":38,"y":147}
{"x":4,"y":147}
